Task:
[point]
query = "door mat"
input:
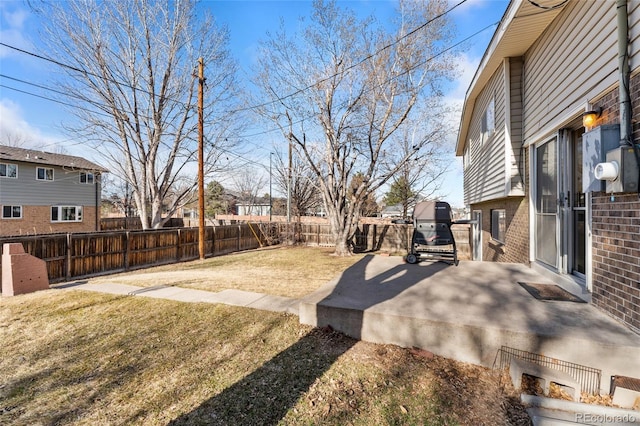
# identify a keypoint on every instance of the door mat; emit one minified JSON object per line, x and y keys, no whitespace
{"x":550,"y":292}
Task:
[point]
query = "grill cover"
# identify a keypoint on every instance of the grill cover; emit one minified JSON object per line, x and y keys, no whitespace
{"x":439,"y":211}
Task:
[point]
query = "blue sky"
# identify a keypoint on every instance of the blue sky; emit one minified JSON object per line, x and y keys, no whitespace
{"x":39,"y":120}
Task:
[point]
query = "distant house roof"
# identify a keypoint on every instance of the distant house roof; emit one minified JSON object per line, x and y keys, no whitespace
{"x":10,"y":153}
{"x":395,"y":210}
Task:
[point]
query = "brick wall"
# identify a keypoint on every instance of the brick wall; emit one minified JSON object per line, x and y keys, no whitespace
{"x":616,"y":256}
{"x":616,"y":232}
{"x":516,"y":245}
{"x":37,"y":220}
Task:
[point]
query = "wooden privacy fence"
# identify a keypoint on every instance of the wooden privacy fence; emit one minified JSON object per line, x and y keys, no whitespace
{"x":395,"y":238}
{"x":71,"y":256}
{"x":133,"y":223}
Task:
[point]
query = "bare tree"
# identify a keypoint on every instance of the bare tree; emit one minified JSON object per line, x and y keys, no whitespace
{"x":420,"y":178}
{"x":301,"y":182}
{"x":130,"y":67}
{"x":118,"y":193}
{"x":249,"y":183}
{"x":343,"y":90}
{"x":13,"y":137}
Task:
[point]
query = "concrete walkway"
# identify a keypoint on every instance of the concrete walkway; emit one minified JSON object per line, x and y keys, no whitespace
{"x":245,"y":299}
{"x":466,"y":313}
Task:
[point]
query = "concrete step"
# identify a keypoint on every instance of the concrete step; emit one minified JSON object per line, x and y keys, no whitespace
{"x":468,"y":313}
{"x":551,"y":412}
{"x":545,"y":417}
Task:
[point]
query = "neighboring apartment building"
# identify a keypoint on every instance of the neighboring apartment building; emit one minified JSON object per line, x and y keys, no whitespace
{"x":43,"y":192}
{"x":530,"y":149}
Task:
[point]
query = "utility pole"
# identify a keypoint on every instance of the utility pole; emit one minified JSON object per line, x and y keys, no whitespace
{"x":270,"y":191}
{"x":201,"y":233}
{"x":289,"y":186}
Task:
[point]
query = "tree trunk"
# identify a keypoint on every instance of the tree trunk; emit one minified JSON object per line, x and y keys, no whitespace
{"x":342,"y":247}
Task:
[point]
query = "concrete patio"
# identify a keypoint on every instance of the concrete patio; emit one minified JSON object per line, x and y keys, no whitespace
{"x":468,"y":312}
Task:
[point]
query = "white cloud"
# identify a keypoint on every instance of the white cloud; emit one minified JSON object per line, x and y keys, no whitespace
{"x":15,"y":130}
{"x":467,"y":66}
{"x":12,"y":24}
{"x":15,"y":19}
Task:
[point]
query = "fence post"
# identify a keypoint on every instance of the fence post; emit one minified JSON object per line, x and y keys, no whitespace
{"x":126,"y":251}
{"x":374,"y":238}
{"x":178,"y":254}
{"x":239,"y":233}
{"x":213,"y":241}
{"x":67,"y":272}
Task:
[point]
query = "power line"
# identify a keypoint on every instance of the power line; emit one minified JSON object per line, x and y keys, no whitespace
{"x":555,"y":6}
{"x":442,"y":52}
{"x":53,"y":100}
{"x":85,"y":72}
{"x":354,"y":65}
{"x":102,"y":107}
{"x":264,"y":132}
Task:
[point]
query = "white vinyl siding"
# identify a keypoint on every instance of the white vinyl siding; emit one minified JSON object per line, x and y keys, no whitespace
{"x":573,"y":61}
{"x":514,"y":155}
{"x":485,"y":172}
{"x":25,"y":190}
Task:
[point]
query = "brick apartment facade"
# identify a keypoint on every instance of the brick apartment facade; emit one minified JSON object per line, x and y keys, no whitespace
{"x":616,"y":231}
{"x":36,"y":220}
{"x":44,"y":192}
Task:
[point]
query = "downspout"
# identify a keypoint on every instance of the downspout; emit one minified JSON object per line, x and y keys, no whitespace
{"x":626,"y":129}
{"x":98,"y":180}
{"x":626,"y":133}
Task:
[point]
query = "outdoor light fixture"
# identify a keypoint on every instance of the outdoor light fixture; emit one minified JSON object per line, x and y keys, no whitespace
{"x":589,"y":117}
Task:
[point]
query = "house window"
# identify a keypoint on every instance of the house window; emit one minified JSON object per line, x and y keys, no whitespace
{"x":86,"y":178}
{"x":44,"y":173}
{"x":66,"y":214}
{"x":12,"y":212}
{"x":498,"y":225}
{"x":466,"y":159}
{"x":8,"y":170}
{"x":488,"y":121}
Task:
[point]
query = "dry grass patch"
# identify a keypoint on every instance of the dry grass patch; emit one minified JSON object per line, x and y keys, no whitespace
{"x":281,"y":271}
{"x":74,"y":357}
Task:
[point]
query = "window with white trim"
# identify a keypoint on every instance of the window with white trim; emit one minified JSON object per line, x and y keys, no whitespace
{"x":87,"y":178}
{"x":9,"y":170}
{"x":12,"y":212}
{"x":44,"y":173}
{"x":66,"y":213}
{"x":498,"y":225}
{"x":488,"y":121}
{"x":466,"y":158}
